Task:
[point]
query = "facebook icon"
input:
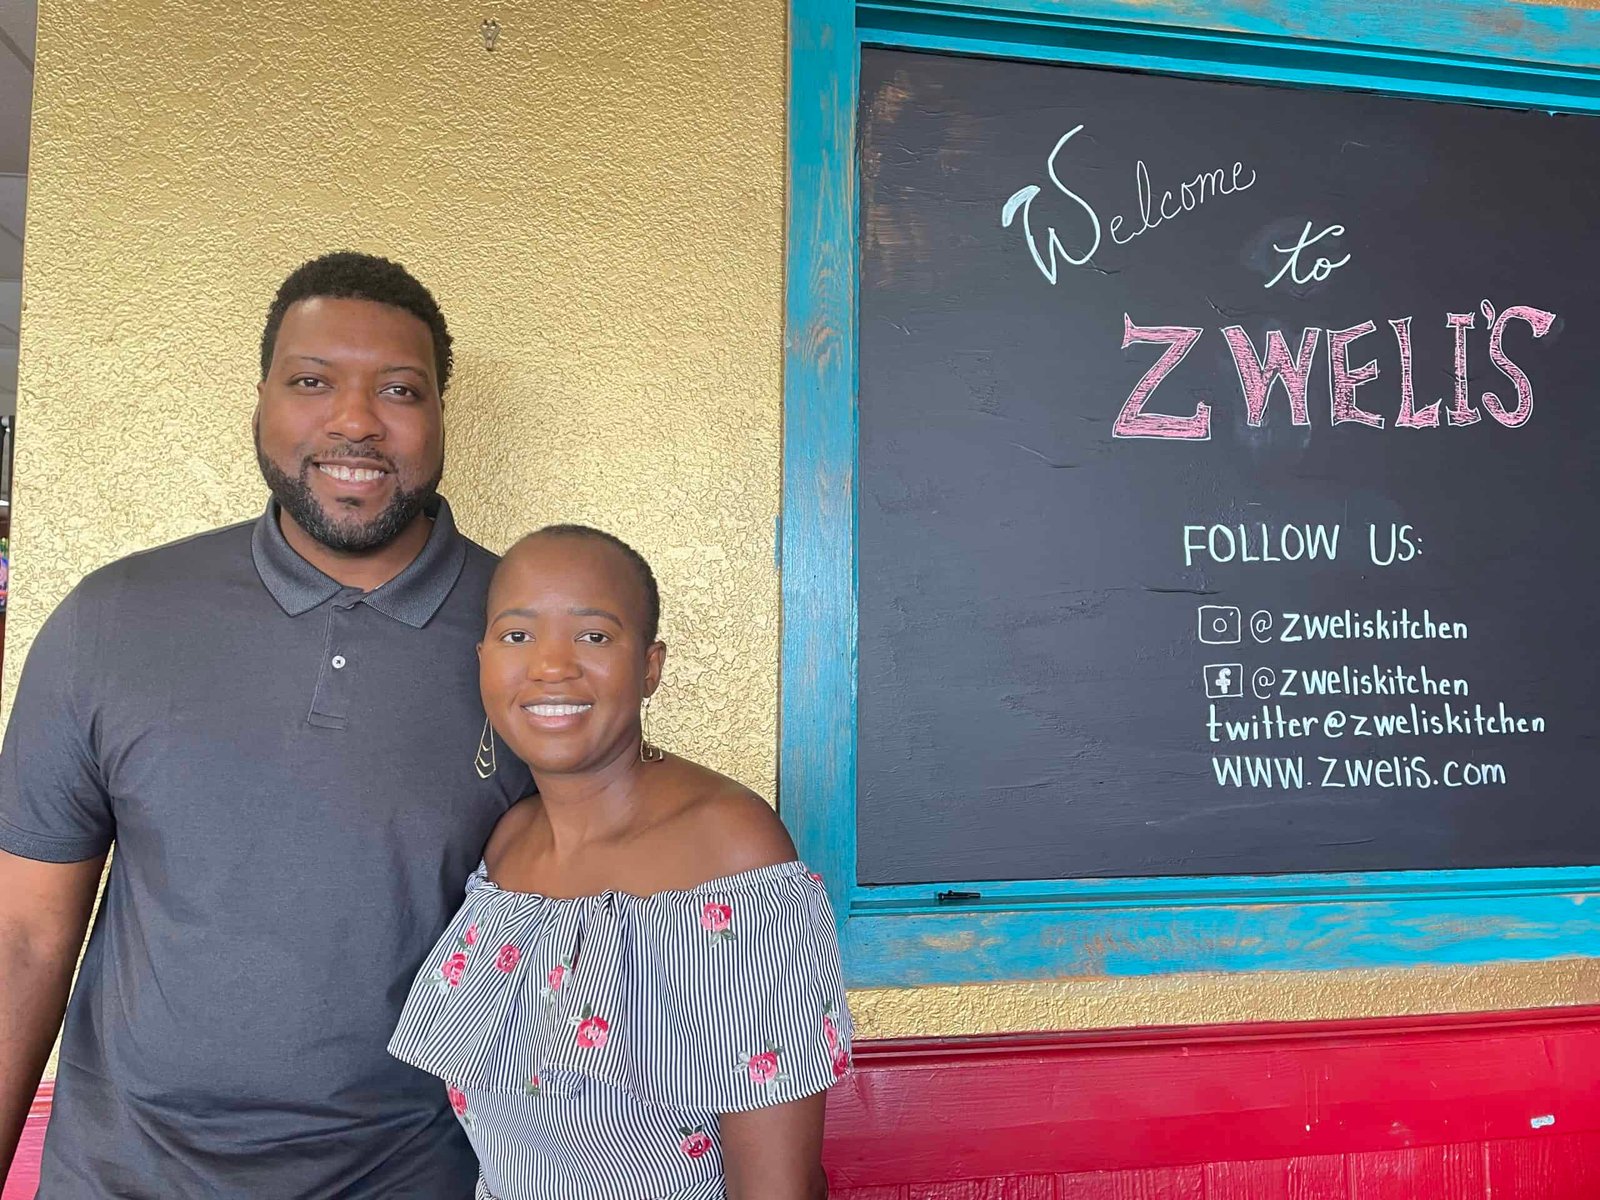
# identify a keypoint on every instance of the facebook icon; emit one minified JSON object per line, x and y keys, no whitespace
{"x":1223,"y":680}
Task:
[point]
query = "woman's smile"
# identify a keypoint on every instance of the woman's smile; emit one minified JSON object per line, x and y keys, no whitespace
{"x":556,"y":715}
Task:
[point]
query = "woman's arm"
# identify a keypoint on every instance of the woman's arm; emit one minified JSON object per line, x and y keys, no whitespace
{"x":775,"y":1153}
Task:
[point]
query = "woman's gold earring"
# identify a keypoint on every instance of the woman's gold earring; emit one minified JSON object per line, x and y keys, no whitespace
{"x":647,"y":752}
{"x":485,"y":762}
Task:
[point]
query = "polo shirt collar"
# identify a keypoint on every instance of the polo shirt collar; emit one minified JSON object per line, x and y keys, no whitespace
{"x":411,"y":597}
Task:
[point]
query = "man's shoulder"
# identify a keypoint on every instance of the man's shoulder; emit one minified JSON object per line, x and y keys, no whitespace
{"x":176,"y":565}
{"x":479,"y":564}
{"x":480,"y":554}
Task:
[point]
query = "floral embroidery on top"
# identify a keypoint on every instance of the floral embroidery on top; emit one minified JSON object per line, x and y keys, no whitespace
{"x":763,"y":1068}
{"x":696,"y":1142}
{"x":448,"y":973}
{"x":838,"y":1049}
{"x":504,"y":1032}
{"x":715,"y":919}
{"x":458,"y":1104}
{"x":592,"y":1030}
{"x":554,"y":980}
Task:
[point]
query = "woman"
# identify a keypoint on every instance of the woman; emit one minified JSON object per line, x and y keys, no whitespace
{"x":640,"y":998}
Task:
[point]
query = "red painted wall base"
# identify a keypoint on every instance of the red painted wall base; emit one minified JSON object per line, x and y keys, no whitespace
{"x":1499,"y":1106}
{"x":23,"y":1180}
{"x":1473,"y":1107}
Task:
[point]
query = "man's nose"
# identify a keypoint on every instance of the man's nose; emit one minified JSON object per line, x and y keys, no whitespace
{"x":354,"y":415}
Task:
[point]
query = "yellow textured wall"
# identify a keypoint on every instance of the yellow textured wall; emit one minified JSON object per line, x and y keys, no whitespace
{"x":598,"y":204}
{"x":1203,"y":999}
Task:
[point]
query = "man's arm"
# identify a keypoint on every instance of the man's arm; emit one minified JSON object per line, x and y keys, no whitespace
{"x":44,"y":910}
{"x":56,"y":825}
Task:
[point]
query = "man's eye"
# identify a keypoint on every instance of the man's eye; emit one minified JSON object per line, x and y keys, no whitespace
{"x":516,"y":637}
{"x":305,"y":381}
{"x":594,"y":637}
{"x":400,"y":389}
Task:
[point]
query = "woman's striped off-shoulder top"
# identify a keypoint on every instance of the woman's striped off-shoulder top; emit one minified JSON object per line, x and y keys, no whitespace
{"x":589,"y":1045}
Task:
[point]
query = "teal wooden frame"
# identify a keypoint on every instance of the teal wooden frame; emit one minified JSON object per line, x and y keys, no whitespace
{"x":1479,"y":51}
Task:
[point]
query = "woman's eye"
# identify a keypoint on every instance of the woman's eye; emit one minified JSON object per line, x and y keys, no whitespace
{"x":305,"y":381}
{"x":401,"y":390}
{"x":516,"y":637}
{"x":594,"y":637}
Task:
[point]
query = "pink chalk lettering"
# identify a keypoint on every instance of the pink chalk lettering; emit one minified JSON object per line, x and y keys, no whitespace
{"x":1343,"y":379}
{"x":1133,"y":421}
{"x":1462,"y":412}
{"x":1540,"y":322}
{"x":1257,"y":374}
{"x":1410,"y":416}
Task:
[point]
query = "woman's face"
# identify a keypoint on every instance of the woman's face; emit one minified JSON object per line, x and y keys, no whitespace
{"x":563,"y":664}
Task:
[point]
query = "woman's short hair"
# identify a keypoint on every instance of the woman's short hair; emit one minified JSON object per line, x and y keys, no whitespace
{"x":641,"y":568}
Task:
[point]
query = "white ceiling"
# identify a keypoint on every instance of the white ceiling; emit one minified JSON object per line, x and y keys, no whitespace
{"x":18,"y":21}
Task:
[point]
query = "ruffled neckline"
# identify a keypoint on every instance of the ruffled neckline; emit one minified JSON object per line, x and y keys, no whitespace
{"x":740,"y":881}
{"x":667,"y":996}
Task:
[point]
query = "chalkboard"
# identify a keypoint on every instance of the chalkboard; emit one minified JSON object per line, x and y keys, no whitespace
{"x":1228,"y":482}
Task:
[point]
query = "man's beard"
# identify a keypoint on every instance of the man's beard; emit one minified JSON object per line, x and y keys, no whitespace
{"x":295,"y":497}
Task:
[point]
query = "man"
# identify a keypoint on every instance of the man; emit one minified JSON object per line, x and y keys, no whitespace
{"x":278,"y":726}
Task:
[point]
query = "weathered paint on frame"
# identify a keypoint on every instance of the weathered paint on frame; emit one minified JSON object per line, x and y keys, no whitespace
{"x":1483,"y":52}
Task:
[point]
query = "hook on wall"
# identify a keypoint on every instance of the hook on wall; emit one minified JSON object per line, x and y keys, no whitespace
{"x":490,"y":30}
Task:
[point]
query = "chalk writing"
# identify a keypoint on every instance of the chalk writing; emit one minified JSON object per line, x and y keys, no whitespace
{"x":1263,"y":544}
{"x":1267,"y":683}
{"x":1023,"y":199}
{"x":1153,"y":211}
{"x":1191,"y":194}
{"x":1320,"y":270}
{"x":1133,"y":421}
{"x":1381,"y":626}
{"x":1273,"y":722}
{"x":1414,"y":772}
{"x":1257,"y":373}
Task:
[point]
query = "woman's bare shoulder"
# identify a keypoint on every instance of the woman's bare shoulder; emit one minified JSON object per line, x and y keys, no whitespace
{"x":726,"y":827}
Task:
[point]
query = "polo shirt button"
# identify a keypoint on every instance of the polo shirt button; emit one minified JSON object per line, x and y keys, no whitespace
{"x":338,"y":662}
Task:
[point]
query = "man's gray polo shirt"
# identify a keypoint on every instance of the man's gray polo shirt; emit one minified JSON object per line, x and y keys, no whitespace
{"x":286,"y":768}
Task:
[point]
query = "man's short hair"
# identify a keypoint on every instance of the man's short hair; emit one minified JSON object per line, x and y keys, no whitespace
{"x":349,"y":275}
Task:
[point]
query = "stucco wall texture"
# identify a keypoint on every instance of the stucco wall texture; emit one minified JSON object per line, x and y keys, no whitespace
{"x":598,"y":203}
